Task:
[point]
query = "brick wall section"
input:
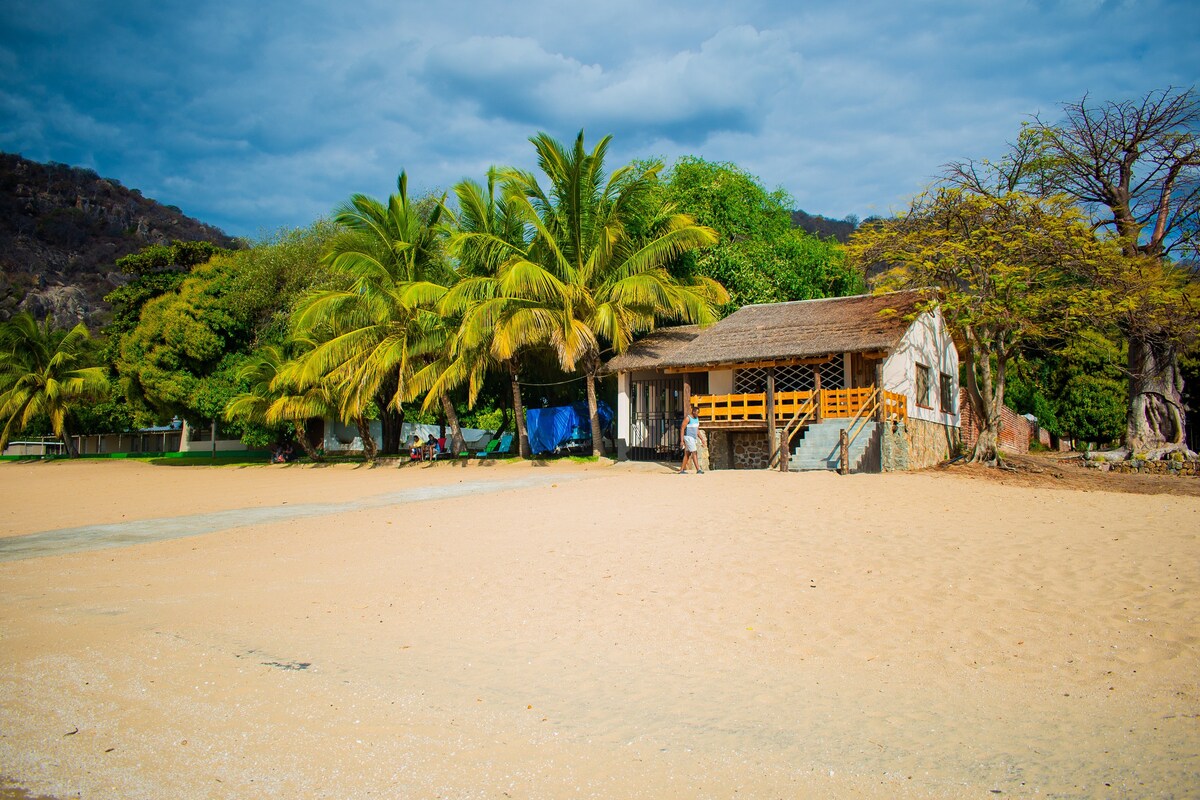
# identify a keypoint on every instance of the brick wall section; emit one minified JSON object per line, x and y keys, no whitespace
{"x":1015,"y":430}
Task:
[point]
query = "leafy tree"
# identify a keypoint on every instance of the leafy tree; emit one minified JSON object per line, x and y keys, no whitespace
{"x":1002,"y":269}
{"x":1135,"y":165}
{"x":183,"y":356}
{"x":1076,"y":390}
{"x":44,"y":370}
{"x":156,"y":270}
{"x":761,"y":256}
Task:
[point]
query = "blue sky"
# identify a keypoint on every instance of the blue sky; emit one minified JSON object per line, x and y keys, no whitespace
{"x":255,"y":116}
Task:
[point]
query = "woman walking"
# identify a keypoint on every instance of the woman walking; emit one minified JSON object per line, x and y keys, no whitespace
{"x":692,"y":437}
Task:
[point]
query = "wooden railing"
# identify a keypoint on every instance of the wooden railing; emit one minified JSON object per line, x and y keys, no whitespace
{"x":828,"y":404}
{"x":895,"y":407}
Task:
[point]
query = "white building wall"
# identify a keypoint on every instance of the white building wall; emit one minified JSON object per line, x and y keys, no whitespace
{"x":623,"y":415}
{"x":926,"y":342}
{"x":720,"y":381}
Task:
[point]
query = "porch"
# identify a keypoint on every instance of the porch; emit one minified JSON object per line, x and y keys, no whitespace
{"x":763,"y":426}
{"x":749,"y":411}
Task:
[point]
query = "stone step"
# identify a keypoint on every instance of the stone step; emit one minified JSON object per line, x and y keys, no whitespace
{"x":820,"y":446}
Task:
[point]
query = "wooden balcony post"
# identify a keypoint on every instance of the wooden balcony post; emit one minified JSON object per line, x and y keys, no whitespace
{"x":817,"y":414}
{"x":772,"y":433}
{"x":881,"y":407}
{"x":844,"y":460}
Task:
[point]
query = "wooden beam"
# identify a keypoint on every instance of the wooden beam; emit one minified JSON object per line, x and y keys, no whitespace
{"x":777,"y":362}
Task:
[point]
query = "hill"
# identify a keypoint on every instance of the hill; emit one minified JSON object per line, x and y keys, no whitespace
{"x":62,"y":229}
{"x":825,"y":227}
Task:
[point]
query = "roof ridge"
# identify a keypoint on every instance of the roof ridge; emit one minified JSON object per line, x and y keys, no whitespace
{"x":831,"y":299}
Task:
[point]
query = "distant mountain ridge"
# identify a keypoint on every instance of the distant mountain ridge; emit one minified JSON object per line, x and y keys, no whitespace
{"x":62,"y":230}
{"x":825,"y":227}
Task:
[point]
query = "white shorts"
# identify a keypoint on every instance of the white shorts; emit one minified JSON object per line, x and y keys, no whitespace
{"x":690,"y":443}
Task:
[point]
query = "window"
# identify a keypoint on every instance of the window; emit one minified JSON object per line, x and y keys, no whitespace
{"x":923,"y":386}
{"x":947,"y":393}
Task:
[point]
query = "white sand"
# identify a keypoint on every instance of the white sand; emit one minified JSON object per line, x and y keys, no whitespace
{"x":613,"y":632}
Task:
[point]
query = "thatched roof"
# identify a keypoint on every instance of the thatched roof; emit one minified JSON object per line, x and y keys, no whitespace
{"x":781,"y":331}
{"x":649,"y":352}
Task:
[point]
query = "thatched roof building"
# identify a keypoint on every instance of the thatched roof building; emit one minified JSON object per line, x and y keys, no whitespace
{"x":779,"y":332}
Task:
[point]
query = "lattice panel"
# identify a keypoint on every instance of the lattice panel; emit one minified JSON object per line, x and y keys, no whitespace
{"x":795,"y":378}
{"x":832,"y":374}
{"x":746,"y":381}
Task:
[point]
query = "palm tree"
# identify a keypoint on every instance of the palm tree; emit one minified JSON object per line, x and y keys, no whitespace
{"x":276,"y":397}
{"x":597,"y":267}
{"x":391,"y":258}
{"x":44,"y":370}
{"x":496,"y":316}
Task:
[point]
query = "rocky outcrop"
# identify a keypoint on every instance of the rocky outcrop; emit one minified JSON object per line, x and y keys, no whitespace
{"x":62,"y":230}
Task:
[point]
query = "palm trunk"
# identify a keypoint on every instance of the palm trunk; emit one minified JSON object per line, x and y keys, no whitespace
{"x":518,"y":410}
{"x":65,"y":435}
{"x":370,"y":449}
{"x":593,"y":366}
{"x":301,"y":436}
{"x":457,"y":443}
{"x":391,"y":419}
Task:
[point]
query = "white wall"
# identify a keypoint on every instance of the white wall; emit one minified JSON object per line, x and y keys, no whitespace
{"x":720,"y":381}
{"x":340,"y":437}
{"x":623,"y":414}
{"x":927,"y":341}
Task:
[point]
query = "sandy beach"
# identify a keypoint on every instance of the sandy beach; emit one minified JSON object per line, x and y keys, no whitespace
{"x":592,"y":630}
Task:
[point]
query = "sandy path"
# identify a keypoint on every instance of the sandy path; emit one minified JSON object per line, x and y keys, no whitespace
{"x":804,"y":635}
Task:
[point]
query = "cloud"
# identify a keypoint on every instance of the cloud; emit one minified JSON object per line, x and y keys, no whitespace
{"x":725,"y":84}
{"x":251,"y":116}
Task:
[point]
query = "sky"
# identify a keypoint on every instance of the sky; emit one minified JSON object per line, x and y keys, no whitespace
{"x":266,"y":115}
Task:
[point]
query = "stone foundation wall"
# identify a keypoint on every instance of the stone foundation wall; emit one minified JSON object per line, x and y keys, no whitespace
{"x":750,"y":450}
{"x":735,"y":450}
{"x":916,"y":444}
{"x":1185,"y":469}
{"x":893,"y":447}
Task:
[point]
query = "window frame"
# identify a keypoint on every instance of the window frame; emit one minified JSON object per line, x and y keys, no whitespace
{"x":923,"y":375}
{"x":946,"y":393}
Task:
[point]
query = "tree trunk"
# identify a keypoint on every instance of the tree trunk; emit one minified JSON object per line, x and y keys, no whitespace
{"x":301,"y":433}
{"x":986,"y":394}
{"x":1156,"y":417}
{"x":593,"y":366}
{"x":65,"y":435}
{"x":457,"y":443}
{"x":391,"y":417}
{"x":518,"y":410}
{"x":370,"y":449}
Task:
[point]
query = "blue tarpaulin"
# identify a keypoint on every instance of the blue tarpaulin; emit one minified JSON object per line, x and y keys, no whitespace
{"x":551,"y":428}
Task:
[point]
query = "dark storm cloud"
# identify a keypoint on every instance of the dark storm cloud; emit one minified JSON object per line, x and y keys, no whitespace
{"x":252,"y":116}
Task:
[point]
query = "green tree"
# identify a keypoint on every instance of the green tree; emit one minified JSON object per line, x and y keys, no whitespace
{"x":275,"y":400}
{"x":496,"y":320}
{"x":597,"y":267}
{"x":1135,"y":165}
{"x":761,"y":256}
{"x":1076,"y":389}
{"x":183,"y":356}
{"x":44,"y":370}
{"x":1002,"y":268}
{"x":392,"y":268}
